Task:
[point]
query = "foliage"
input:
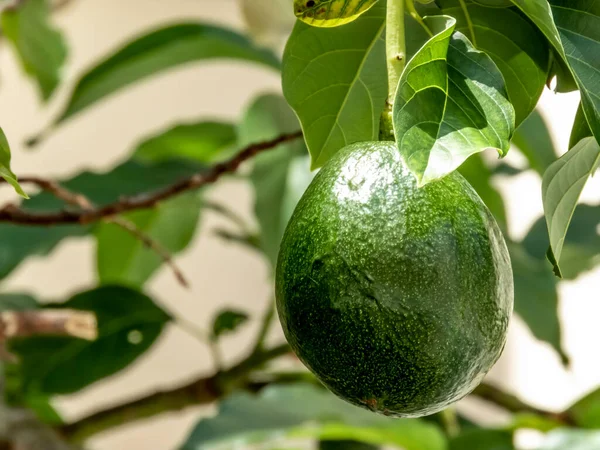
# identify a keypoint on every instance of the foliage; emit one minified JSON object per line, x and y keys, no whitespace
{"x":473,"y":72}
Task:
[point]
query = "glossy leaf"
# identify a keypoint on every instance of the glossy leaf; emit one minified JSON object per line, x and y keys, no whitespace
{"x":5,"y":171}
{"x":586,"y":411}
{"x":515,"y":45}
{"x":304,"y":411}
{"x":482,"y":439}
{"x":40,"y":47}
{"x":581,"y":249}
{"x":279,"y":177}
{"x":450,"y":104}
{"x":330,"y":13}
{"x":335,"y":81}
{"x":536,"y":297}
{"x":228,"y":321}
{"x":561,"y":187}
{"x":158,"y":51}
{"x":573,"y":28}
{"x":581,"y":128}
{"x":202,"y":142}
{"x":128,"y":324}
{"x":534,"y":141}
{"x":123,"y":258}
{"x":571,"y":439}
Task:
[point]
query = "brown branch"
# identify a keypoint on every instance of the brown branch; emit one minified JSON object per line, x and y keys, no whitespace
{"x":14,"y":214}
{"x":58,"y":322}
{"x":201,"y":391}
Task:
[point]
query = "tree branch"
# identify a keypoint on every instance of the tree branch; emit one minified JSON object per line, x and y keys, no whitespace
{"x":58,"y":322}
{"x":13,"y":214}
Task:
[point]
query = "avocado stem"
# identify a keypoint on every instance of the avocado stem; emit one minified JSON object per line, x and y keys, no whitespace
{"x":395,"y":45}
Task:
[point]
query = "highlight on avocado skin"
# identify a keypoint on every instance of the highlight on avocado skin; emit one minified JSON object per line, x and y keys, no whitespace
{"x":330,"y":13}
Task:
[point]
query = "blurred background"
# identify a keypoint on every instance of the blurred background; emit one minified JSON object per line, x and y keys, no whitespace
{"x":221,"y":273}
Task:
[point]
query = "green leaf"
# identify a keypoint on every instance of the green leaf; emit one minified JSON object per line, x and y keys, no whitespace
{"x":581,"y":249}
{"x":5,"y":171}
{"x":450,"y":104}
{"x":481,"y":439}
{"x":561,"y":187}
{"x":564,"y":77}
{"x":335,"y":80}
{"x":331,"y":13}
{"x":534,"y":141}
{"x":515,"y":45}
{"x":158,"y":51}
{"x":228,"y":321}
{"x":536,"y":297}
{"x":19,"y":242}
{"x":279,"y":177}
{"x":123,"y":258}
{"x":571,"y":439}
{"x":586,"y":411}
{"x":202,"y":142}
{"x":494,"y":3}
{"x":40,"y":47}
{"x":128,"y":324}
{"x":479,"y":177}
{"x":573,"y":28}
{"x":345,"y":445}
{"x":306,"y":411}
{"x":17,"y":302}
{"x":581,"y":128}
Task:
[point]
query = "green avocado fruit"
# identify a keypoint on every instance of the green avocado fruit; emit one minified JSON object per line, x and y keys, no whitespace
{"x":396,"y":297}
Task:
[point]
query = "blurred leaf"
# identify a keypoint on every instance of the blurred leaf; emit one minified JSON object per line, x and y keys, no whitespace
{"x":519,"y":50}
{"x":203,"y":142}
{"x":279,"y":177}
{"x":586,"y":411}
{"x":228,"y":321}
{"x":40,"y":47}
{"x":306,"y":411}
{"x":19,"y":242}
{"x":17,"y":302}
{"x":123,"y":258}
{"x":536,"y":298}
{"x":562,"y":185}
{"x":534,"y":141}
{"x":441,"y":115}
{"x":479,"y":177}
{"x":534,"y":422}
{"x":345,"y":445}
{"x":5,"y":171}
{"x":335,"y":81}
{"x":158,"y":51}
{"x":128,"y":323}
{"x":581,"y":249}
{"x":481,"y":439}
{"x":571,"y":439}
{"x":581,"y":128}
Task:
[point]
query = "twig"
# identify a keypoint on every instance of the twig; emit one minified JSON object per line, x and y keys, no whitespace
{"x":58,"y":322}
{"x":13,"y":214}
{"x":85,"y":204}
{"x":201,"y":391}
{"x":152,"y":244}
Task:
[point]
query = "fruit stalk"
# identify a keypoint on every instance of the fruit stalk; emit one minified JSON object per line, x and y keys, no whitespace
{"x":395,"y":45}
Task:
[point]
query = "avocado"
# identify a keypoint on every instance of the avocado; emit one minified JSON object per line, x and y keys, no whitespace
{"x":396,"y":297}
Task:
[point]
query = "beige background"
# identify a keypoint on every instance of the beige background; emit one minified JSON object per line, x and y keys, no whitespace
{"x":224,"y":274}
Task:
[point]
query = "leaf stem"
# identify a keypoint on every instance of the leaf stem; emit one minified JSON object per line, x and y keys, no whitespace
{"x":410,"y":7}
{"x":395,"y":45}
{"x":465,"y":10}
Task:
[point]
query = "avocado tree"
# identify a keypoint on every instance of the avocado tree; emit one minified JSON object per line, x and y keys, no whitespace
{"x":396,"y":276}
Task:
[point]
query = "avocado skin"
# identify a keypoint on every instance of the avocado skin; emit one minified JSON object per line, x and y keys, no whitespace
{"x":397,"y":298}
